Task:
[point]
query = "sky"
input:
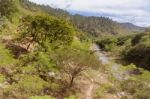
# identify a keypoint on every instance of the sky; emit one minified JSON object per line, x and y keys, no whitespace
{"x":133,"y":11}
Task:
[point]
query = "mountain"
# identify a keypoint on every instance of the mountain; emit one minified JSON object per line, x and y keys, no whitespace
{"x":97,"y":26}
{"x":132,"y":27}
{"x":94,"y":26}
{"x":126,"y":25}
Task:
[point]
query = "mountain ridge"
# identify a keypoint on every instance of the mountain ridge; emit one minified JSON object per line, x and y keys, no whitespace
{"x":93,"y":25}
{"x":132,"y":26}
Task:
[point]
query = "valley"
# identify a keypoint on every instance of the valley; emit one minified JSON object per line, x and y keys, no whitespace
{"x":49,"y":53}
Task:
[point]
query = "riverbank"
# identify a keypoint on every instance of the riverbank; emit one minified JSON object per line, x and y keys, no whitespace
{"x":126,"y":80}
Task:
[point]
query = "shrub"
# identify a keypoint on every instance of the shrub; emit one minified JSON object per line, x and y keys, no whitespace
{"x":137,"y":88}
{"x":28,"y":85}
{"x":107,"y":43}
{"x":43,"y":29}
{"x":6,"y":59}
{"x":39,"y":60}
{"x":103,"y":89}
{"x":139,"y":55}
{"x":73,"y":61}
{"x":7,"y":8}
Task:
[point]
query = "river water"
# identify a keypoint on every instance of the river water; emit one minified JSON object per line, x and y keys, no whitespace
{"x":107,"y":60}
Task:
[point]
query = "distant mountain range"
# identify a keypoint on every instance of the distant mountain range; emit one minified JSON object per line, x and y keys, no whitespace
{"x":127,"y":25}
{"x":133,"y":27}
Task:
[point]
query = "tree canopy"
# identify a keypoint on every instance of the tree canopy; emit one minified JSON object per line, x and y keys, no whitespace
{"x":7,"y":8}
{"x":44,"y":29}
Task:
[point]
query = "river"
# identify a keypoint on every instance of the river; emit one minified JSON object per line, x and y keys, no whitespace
{"x":115,"y":68}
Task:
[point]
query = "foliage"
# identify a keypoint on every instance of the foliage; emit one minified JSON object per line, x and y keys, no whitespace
{"x":95,"y":26}
{"x":139,"y":55}
{"x":136,"y":88}
{"x":35,"y":7}
{"x":103,"y":89}
{"x":107,"y":43}
{"x":134,"y":48}
{"x":6,"y":59}
{"x":27,"y":85}
{"x":39,"y":60}
{"x":74,"y":61}
{"x":2,"y":78}
{"x":92,"y":26}
{"x":43,"y":29}
{"x":7,"y":8}
{"x":45,"y":72}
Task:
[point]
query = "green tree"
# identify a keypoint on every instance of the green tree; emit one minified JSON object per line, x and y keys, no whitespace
{"x":73,"y":62}
{"x":7,"y":8}
{"x":44,"y":30}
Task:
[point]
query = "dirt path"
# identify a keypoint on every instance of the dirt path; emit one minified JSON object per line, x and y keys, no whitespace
{"x":90,"y":90}
{"x":100,"y":77}
{"x":94,"y":83}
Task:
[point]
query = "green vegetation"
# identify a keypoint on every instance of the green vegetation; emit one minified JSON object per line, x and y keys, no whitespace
{"x":45,"y":56}
{"x":98,"y":26}
{"x":133,"y":48}
{"x":41,"y":97}
{"x":139,"y":52}
{"x":107,"y":43}
{"x":138,"y":85}
{"x":43,"y":29}
{"x":7,"y":8}
{"x":6,"y":59}
{"x":92,"y":26}
{"x":104,"y":89}
{"x":74,"y":61}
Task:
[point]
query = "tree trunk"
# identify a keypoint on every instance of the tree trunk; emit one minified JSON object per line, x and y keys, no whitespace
{"x":28,"y":46}
{"x":71,"y":81}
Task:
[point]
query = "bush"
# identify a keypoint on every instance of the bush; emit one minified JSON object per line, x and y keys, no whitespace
{"x":39,"y":60}
{"x":143,"y":94}
{"x":7,"y":8}
{"x":139,"y":55}
{"x":137,"y":88}
{"x":104,"y":89}
{"x":45,"y":30}
{"x":107,"y":43}
{"x":73,"y":61}
{"x":28,"y":85}
{"x":6,"y":59}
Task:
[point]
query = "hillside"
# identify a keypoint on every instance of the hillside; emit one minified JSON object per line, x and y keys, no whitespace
{"x":94,"y":26}
{"x":44,"y":55}
{"x":133,"y":27}
{"x":133,"y":48}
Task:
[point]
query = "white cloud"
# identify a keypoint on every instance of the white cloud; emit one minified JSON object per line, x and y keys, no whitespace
{"x":135,"y":11}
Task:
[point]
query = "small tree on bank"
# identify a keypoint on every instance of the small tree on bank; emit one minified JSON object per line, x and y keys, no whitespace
{"x":73,"y":62}
{"x":44,"y":30}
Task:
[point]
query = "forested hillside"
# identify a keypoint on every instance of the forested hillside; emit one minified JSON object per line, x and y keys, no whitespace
{"x":94,"y":26}
{"x":133,"y":27}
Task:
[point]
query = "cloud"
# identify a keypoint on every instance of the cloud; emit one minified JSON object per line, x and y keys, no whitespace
{"x":135,"y":11}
